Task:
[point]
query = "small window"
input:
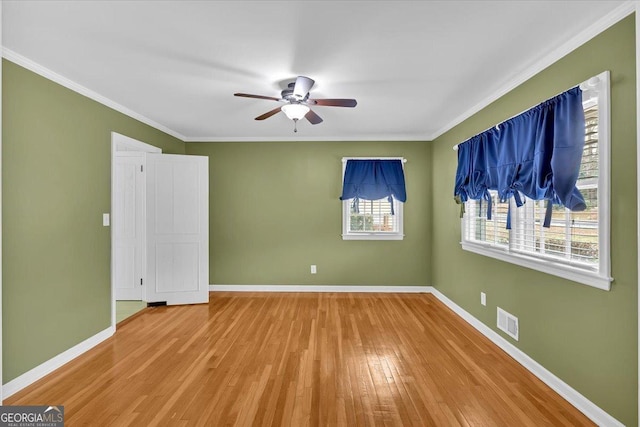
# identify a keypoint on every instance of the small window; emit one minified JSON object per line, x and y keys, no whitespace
{"x":371,"y":219}
{"x":576,"y":244}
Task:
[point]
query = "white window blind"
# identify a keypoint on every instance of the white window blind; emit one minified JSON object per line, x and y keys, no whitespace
{"x":373,"y":216}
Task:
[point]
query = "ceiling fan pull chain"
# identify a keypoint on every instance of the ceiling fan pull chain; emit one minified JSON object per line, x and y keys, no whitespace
{"x":295,"y":125}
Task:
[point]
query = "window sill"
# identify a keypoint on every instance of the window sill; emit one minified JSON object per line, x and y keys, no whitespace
{"x":373,"y":236}
{"x":589,"y":278}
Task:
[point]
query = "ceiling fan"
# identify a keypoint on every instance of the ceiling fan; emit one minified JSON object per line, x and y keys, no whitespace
{"x":296,"y":102}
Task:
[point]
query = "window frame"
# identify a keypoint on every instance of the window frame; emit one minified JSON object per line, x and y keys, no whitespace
{"x":398,"y":208}
{"x":597,"y":87}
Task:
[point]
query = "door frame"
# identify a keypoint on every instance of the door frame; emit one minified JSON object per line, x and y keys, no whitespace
{"x":121,"y":143}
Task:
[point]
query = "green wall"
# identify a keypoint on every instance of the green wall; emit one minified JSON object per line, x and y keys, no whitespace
{"x":275,"y":210}
{"x":585,"y":336}
{"x":56,"y":160}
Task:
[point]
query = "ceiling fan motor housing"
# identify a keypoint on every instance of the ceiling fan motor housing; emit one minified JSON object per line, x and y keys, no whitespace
{"x":287,"y":94}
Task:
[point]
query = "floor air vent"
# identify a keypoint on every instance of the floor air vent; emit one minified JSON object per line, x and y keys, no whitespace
{"x":156,"y":304}
{"x":508,"y":323}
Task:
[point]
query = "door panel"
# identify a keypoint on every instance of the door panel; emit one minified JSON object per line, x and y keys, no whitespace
{"x":125,"y":272}
{"x":177,"y":266}
{"x":177,"y":229}
{"x":128,"y":226}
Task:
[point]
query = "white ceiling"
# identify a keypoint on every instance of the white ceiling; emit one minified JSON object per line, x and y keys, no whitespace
{"x":415,"y":67}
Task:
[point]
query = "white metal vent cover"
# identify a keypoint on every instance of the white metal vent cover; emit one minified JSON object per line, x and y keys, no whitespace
{"x":508,"y":323}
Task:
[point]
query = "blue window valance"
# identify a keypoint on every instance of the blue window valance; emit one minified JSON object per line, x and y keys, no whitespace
{"x":536,"y":154}
{"x":373,"y":180}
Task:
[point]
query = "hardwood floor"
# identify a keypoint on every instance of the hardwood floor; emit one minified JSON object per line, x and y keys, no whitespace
{"x":327,"y":359}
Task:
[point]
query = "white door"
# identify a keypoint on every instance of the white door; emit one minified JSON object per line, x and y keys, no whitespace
{"x":177,"y":229}
{"x":128,"y":225}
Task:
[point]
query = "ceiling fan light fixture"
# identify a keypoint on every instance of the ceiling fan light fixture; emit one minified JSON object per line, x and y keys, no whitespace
{"x":295,"y":111}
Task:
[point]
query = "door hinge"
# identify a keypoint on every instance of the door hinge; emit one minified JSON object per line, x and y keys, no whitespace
{"x":141,"y":281}
{"x":141,"y":168}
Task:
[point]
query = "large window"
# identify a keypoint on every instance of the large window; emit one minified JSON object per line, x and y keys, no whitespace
{"x":576,"y":244}
{"x":372,"y":219}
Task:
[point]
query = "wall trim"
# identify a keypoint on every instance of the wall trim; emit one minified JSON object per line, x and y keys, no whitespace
{"x":320,"y":288}
{"x":587,"y":34}
{"x":27,"y":63}
{"x":540,"y":64}
{"x":584,"y":405}
{"x":54,"y":363}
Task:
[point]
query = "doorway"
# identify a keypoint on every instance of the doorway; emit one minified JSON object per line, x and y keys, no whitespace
{"x":159,"y":225}
{"x":128,"y":210}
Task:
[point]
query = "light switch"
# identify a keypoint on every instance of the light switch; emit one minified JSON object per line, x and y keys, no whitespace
{"x":105,"y":219}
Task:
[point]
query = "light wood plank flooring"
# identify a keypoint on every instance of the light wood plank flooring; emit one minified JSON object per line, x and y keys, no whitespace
{"x":332,"y":359}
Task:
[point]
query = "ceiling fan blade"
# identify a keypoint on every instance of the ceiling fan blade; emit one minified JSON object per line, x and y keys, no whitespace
{"x":313,"y":118}
{"x":248,"y":95}
{"x":333,"y":102}
{"x":269,"y":114}
{"x":302,"y":87}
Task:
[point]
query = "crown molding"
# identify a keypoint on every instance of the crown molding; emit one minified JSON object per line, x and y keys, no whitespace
{"x":69,"y":84}
{"x":537,"y":66}
{"x":593,"y":30}
{"x":366,"y":138}
{"x":31,"y":65}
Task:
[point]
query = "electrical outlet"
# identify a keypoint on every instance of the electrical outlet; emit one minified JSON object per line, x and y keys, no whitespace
{"x":483,"y":298}
{"x":314,"y":269}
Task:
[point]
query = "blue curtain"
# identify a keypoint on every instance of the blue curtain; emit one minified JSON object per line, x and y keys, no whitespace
{"x":374,"y":180}
{"x":536,"y":154}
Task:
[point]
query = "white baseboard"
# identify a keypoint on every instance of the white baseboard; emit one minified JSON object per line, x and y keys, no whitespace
{"x":320,"y":288}
{"x":584,"y":405}
{"x":54,"y":363}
